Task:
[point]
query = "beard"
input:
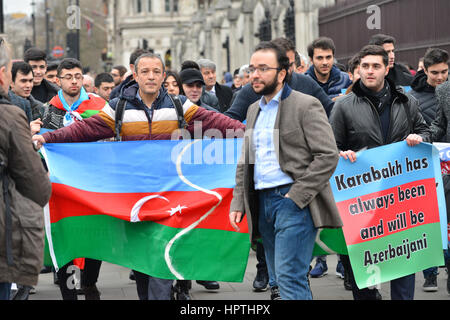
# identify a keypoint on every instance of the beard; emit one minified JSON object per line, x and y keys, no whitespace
{"x":269,"y":88}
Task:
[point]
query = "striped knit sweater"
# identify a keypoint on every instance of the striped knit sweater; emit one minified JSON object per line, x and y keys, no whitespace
{"x":140,"y":123}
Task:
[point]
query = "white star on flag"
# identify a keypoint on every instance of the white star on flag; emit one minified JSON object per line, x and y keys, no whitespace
{"x":175,"y":210}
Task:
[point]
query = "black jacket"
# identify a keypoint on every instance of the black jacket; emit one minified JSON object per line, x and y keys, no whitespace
{"x":425,"y":95}
{"x":298,"y":82}
{"x":224,"y":94}
{"x":356,"y":123}
{"x":49,"y":89}
{"x":400,"y":75}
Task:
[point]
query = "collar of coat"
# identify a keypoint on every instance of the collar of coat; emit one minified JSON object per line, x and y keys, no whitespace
{"x":396,"y":92}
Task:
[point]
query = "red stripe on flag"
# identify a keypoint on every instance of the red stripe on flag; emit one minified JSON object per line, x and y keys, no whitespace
{"x":357,"y":218}
{"x":182,"y":209}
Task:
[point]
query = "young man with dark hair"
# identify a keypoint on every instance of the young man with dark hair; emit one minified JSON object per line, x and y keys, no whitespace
{"x":323,"y":70}
{"x":281,"y":172}
{"x":423,"y":87}
{"x":374,"y":114}
{"x":118,"y":73}
{"x":50,"y":74}
{"x":43,"y":90}
{"x":103,"y":85}
{"x":22,"y":85}
{"x":398,"y":73}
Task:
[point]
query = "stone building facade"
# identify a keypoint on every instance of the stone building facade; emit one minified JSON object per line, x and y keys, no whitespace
{"x":225,"y":31}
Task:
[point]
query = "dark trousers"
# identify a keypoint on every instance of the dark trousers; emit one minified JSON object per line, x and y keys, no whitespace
{"x":89,"y":275}
{"x":401,"y":288}
{"x":142,"y":280}
{"x":65,"y":276}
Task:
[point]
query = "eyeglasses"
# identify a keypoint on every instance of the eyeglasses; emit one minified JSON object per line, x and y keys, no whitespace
{"x":70,"y":77}
{"x":261,"y":69}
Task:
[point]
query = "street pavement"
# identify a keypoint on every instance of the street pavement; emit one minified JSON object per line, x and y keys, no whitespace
{"x":114,"y":284}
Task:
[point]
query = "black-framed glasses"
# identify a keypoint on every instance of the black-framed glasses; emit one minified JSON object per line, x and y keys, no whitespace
{"x":261,"y":69}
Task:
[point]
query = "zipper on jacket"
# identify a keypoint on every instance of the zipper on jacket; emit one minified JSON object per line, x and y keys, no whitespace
{"x":378,"y":117}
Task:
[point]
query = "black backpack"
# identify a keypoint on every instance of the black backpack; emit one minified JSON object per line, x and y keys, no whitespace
{"x":120,"y":110}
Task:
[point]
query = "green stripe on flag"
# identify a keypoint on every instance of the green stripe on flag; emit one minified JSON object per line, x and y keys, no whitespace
{"x":204,"y":254}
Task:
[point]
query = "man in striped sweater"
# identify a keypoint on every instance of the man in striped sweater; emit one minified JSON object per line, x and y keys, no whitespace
{"x":149,"y":115}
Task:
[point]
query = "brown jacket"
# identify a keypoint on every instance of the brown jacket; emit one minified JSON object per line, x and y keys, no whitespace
{"x":29,"y":190}
{"x":306,"y":151}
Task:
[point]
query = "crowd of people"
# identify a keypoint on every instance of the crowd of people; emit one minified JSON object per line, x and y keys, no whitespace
{"x":323,"y":110}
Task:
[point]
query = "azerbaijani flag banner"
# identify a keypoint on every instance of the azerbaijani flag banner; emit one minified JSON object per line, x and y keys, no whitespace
{"x":159,"y":207}
{"x":388,"y":201}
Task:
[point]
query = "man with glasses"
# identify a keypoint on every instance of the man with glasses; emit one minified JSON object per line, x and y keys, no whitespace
{"x":71,"y":104}
{"x":282,"y":177}
{"x":43,"y":90}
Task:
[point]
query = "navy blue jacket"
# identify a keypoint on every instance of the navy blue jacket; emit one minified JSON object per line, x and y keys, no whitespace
{"x":298,"y":82}
{"x":337,"y":81}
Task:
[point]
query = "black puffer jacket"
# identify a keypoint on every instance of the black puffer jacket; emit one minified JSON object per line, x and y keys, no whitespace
{"x":356,"y":123}
{"x":425,"y":95}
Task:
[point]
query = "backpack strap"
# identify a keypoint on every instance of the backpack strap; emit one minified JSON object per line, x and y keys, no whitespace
{"x":120,"y":110}
{"x":182,"y":124}
{"x":8,"y":215}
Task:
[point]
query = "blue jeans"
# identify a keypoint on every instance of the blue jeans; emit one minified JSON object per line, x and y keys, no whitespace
{"x":288,"y":235}
{"x":5,"y":290}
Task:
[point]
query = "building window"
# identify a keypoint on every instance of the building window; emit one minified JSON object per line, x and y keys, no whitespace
{"x":175,"y":5}
{"x":149,"y":5}
{"x":138,"y":6}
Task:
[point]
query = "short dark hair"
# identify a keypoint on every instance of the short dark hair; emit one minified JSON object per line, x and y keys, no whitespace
{"x":52,"y":66}
{"x":282,"y":59}
{"x":380,"y":39}
{"x":134,"y":55}
{"x":285,"y":44}
{"x":102,"y":77}
{"x":22,"y":67}
{"x":122,"y":69}
{"x":323,"y":43}
{"x":353,"y":63}
{"x":189,"y":64}
{"x":374,"y":50}
{"x":34,"y":54}
{"x":68,"y":64}
{"x":434,"y":56}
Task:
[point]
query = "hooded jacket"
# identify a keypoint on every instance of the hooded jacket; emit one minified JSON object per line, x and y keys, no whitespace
{"x":356,"y":123}
{"x":29,"y":190}
{"x":425,"y":95}
{"x":141,"y":122}
{"x":337,"y":81}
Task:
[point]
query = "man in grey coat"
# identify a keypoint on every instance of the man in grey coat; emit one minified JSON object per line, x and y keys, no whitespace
{"x":282,"y":179}
{"x":25,"y":190}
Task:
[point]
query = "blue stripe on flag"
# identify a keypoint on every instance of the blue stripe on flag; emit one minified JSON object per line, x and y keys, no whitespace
{"x":105,"y":166}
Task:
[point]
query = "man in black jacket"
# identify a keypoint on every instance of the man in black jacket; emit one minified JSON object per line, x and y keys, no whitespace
{"x":298,"y":82}
{"x":435,"y":72}
{"x":376,"y":113}
{"x":398,"y":73}
{"x":43,"y":90}
{"x":223,"y":93}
